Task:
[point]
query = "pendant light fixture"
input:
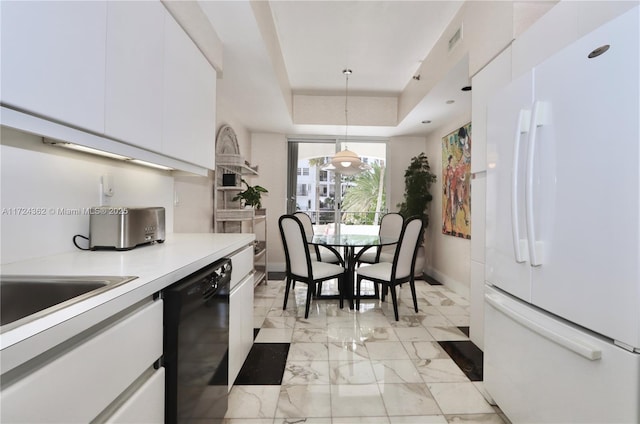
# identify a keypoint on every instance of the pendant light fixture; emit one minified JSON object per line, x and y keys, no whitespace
{"x":346,"y":162}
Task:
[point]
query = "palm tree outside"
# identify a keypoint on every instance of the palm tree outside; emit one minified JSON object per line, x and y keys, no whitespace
{"x":365,"y":197}
{"x":328,"y":196}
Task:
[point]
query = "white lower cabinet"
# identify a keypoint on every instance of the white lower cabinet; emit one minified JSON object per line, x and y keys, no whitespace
{"x":76,"y":383}
{"x":240,"y":326}
{"x":242,"y":263}
{"x":145,"y":405}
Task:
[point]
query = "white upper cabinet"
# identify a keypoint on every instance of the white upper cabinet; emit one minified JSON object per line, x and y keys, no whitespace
{"x":491,"y":78}
{"x":53,"y":60}
{"x":123,"y":70}
{"x":190,"y":99}
{"x":135,"y":60}
{"x":161,"y":91}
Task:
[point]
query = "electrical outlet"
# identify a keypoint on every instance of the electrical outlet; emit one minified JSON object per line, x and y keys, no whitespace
{"x":107,"y":185}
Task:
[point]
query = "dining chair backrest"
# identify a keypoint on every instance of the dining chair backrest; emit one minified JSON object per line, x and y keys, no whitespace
{"x":295,"y":245}
{"x":405,"y":256}
{"x":391,"y":225}
{"x":307,"y":224}
{"x":320,"y":253}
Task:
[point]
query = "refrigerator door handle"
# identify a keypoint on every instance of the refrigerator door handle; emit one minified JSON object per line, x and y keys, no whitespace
{"x":573,"y":344}
{"x":524,"y":119}
{"x":539,"y":117}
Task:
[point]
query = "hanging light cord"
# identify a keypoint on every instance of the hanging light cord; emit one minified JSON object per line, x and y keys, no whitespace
{"x":346,"y":72}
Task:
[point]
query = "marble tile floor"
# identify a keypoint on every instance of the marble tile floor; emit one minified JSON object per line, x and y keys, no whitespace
{"x":343,"y":366}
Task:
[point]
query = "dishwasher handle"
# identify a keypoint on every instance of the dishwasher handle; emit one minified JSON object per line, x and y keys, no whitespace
{"x":218,"y":280}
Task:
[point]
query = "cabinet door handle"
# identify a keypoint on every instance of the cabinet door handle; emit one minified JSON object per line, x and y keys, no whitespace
{"x":524,"y":119}
{"x":538,"y":119}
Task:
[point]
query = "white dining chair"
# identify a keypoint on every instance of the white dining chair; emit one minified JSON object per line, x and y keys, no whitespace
{"x":390,"y":226}
{"x":319,"y":253}
{"x":400,"y":270}
{"x":322,"y":253}
{"x":299,"y":265}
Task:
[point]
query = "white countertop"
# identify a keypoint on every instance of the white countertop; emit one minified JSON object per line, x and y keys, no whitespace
{"x":156,"y":266}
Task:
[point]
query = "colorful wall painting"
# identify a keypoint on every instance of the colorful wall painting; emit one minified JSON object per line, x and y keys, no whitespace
{"x":456,"y":183}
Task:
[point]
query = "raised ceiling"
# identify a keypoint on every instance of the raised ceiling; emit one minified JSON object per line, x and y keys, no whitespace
{"x":275,"y":52}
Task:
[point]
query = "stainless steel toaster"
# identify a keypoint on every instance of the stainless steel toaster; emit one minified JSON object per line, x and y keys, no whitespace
{"x":123,"y":228}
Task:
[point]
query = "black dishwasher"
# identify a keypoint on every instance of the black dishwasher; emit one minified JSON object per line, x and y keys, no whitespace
{"x":196,"y":345}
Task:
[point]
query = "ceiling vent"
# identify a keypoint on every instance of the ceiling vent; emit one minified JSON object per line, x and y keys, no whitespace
{"x":455,"y":39}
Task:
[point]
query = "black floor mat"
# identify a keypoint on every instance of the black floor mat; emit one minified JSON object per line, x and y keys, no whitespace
{"x":467,"y":356}
{"x":264,"y":364}
{"x":430,"y":280}
{"x":277,"y":276}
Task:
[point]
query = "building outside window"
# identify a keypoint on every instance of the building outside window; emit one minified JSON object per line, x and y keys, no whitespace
{"x":331,"y":197}
{"x":303,"y":190}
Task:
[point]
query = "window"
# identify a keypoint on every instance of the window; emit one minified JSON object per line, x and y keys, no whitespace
{"x":334,"y":197}
{"x":303,"y":190}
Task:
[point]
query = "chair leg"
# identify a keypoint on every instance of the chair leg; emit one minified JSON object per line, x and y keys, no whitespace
{"x":376,"y":290}
{"x":286,"y":293}
{"x":358,"y":283}
{"x":394,"y":298}
{"x":412,"y":283}
{"x":341,"y":291}
{"x":318,"y":290}
{"x":310,"y":289}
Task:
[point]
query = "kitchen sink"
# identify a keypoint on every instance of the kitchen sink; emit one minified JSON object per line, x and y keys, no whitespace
{"x":24,"y":298}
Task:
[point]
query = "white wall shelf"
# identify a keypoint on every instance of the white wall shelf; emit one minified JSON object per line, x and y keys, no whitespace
{"x":230,"y":216}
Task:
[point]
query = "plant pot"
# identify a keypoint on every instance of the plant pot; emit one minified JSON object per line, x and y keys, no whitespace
{"x":418,"y":270}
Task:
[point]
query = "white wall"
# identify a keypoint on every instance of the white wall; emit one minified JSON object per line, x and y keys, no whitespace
{"x":269,"y":152}
{"x":400,"y":150}
{"x":448,"y":258}
{"x":195,"y":206}
{"x":479,"y":41}
{"x":35,"y":175}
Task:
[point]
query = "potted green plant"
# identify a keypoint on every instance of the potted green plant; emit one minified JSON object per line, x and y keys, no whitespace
{"x":417,"y":185}
{"x":417,"y":196}
{"x":252,"y":196}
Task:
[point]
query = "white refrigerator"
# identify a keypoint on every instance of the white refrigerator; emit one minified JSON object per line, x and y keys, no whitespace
{"x":562,"y":293}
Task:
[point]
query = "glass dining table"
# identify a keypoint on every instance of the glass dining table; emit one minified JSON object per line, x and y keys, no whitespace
{"x":353,"y":246}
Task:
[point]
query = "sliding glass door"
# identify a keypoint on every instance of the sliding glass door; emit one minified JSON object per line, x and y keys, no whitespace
{"x":330,"y":197}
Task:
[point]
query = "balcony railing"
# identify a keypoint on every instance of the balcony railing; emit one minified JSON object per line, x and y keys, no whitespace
{"x":326,"y":216}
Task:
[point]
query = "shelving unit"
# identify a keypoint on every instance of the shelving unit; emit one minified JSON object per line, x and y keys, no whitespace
{"x":230,"y":217}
